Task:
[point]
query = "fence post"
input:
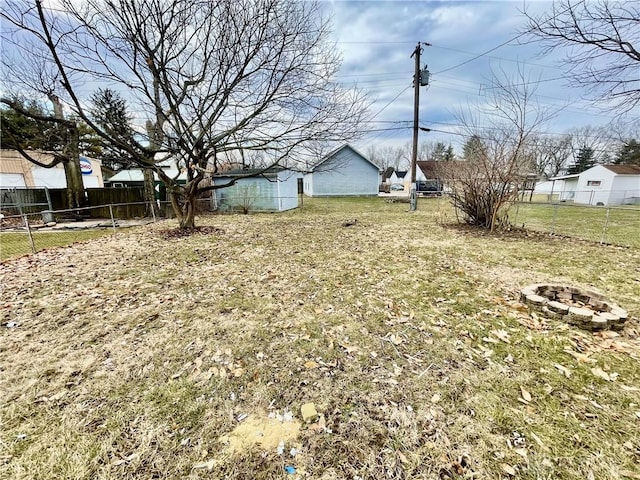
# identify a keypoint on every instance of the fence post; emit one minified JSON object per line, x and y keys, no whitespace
{"x":604,"y":229}
{"x":113,"y":222}
{"x":46,"y":192}
{"x":553,"y":218}
{"x":26,"y":224}
{"x":153,"y":211}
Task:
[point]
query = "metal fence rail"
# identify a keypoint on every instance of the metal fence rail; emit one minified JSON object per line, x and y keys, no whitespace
{"x":619,"y":225}
{"x":31,"y":232}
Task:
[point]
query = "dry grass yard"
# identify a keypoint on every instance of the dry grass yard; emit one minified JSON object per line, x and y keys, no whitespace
{"x":149,"y":355}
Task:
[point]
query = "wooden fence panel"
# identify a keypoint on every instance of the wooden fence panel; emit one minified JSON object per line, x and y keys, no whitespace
{"x":109,"y":196}
{"x":16,"y":201}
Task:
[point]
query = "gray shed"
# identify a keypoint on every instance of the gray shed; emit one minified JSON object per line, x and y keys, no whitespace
{"x":274,"y":190}
{"x":343,"y":172}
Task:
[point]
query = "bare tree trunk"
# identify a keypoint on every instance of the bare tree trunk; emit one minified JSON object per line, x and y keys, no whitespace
{"x":150,"y":193}
{"x":72,"y":172}
{"x":188,"y":212}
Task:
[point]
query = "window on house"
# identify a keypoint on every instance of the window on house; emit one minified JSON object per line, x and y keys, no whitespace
{"x":593,"y":183}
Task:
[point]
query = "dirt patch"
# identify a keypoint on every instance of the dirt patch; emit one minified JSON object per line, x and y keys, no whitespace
{"x":262,"y":431}
{"x":188,"y":232}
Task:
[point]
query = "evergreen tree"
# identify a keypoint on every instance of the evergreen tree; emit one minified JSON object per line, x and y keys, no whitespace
{"x":449,"y":154}
{"x":474,"y":148}
{"x":110,"y":113}
{"x":584,"y":161}
{"x":629,"y":153}
{"x":18,"y":130}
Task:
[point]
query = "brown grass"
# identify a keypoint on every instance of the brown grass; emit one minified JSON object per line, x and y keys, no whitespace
{"x":136,"y":361}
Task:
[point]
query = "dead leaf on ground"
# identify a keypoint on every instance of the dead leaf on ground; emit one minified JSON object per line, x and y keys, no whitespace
{"x":501,"y":335}
{"x":539,"y":442}
{"x":526,"y":396}
{"x":598,"y":372}
{"x":564,"y":370}
{"x":522,"y":452}
{"x":508,"y":469}
{"x":209,"y":464}
{"x":580,"y":357}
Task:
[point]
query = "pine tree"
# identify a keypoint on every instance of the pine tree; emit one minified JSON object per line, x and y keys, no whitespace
{"x":110,"y":113}
{"x":584,"y":161}
{"x":629,"y":153}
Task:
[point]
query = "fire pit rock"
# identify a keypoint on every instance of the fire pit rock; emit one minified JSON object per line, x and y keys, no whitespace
{"x":585,"y":309}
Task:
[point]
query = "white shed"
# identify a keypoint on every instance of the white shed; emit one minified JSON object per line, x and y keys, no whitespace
{"x":603,"y":185}
{"x":344,"y":172}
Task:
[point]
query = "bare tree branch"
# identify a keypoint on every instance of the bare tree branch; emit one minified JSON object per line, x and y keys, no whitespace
{"x":602,"y":43}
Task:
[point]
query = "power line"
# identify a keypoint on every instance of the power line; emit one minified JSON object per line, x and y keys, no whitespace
{"x":481,"y":54}
{"x":536,"y":144}
{"x":503,"y":43}
{"x":389,"y":103}
{"x":478,"y":55}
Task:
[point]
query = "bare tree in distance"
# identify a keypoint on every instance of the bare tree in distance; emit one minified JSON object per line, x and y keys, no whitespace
{"x":602,"y":42}
{"x":549,"y":154}
{"x":496,"y":162}
{"x":210,"y":77}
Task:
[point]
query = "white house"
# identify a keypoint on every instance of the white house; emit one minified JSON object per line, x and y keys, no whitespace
{"x":343,"y":172}
{"x":18,"y":172}
{"x":602,"y":185}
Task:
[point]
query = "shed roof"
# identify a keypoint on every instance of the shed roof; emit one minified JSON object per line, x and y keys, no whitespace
{"x":624,"y":169}
{"x":565,"y":177}
{"x":334,"y":152}
{"x":247,"y":172}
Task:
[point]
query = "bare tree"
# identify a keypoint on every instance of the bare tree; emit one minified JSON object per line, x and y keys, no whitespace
{"x":496,"y":163}
{"x":549,"y":154}
{"x":593,"y":138}
{"x":211,"y":77}
{"x":602,"y":42}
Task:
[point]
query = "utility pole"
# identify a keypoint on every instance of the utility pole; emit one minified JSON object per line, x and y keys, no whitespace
{"x":420,"y":78}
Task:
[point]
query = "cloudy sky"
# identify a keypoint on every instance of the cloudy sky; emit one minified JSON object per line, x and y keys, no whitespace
{"x":378,"y":37}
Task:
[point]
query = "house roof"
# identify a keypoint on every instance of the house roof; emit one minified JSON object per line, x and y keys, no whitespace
{"x":401,"y":173}
{"x":334,"y":152}
{"x":624,"y":169}
{"x":565,"y":177}
{"x":245,"y":172}
{"x":430,"y":168}
{"x":136,"y":175}
{"x":617,"y":169}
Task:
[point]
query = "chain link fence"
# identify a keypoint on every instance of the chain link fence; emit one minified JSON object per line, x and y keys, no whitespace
{"x":617,"y":225}
{"x":28,"y":233}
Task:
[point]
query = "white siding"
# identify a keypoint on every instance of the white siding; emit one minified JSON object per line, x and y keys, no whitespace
{"x":287,"y":190}
{"x":259,"y":194}
{"x":12,"y":180}
{"x":345,"y":173}
{"x":568,"y":189}
{"x":625,"y":190}
{"x":49,"y":177}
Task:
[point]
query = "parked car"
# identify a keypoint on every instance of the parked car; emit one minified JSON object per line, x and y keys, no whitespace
{"x":397,"y":187}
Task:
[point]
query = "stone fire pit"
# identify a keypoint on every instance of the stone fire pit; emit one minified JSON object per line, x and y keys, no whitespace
{"x":586,"y":309}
